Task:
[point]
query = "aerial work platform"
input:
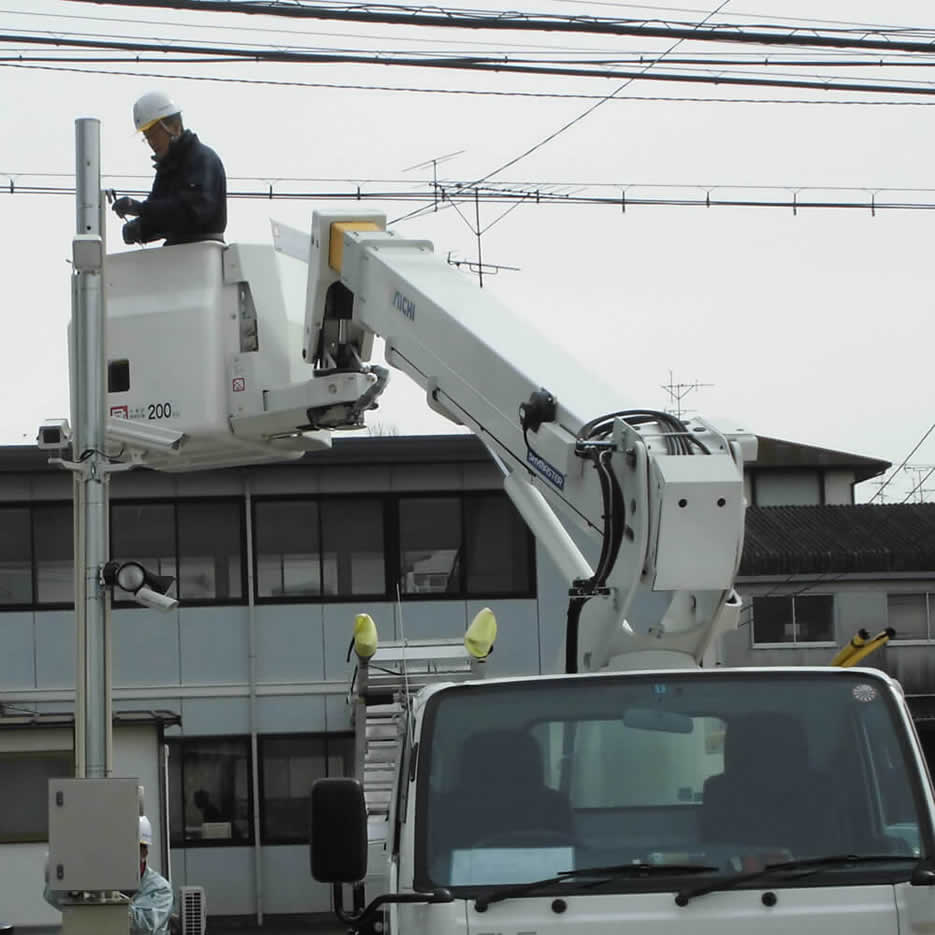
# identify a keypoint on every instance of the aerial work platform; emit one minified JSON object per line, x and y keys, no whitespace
{"x":202,"y":400}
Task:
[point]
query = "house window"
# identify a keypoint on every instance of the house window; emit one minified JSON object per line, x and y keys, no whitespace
{"x":799,"y":618}
{"x":910,"y":615}
{"x":24,"y":780}
{"x":209,"y":791}
{"x":199,"y":543}
{"x":430,"y":545}
{"x":289,"y":766}
{"x":15,"y":557}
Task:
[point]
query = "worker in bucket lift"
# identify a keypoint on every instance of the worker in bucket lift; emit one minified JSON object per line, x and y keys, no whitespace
{"x":151,"y":905}
{"x":188,"y":201}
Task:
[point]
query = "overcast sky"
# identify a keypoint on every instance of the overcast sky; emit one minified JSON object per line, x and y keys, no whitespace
{"x":814,"y":327}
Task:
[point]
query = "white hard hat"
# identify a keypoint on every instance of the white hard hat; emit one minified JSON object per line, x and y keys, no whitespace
{"x":151,"y":108}
{"x":146,"y":831}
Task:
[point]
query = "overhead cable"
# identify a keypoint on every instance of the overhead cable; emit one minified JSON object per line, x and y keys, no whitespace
{"x":480,"y":64}
{"x":623,"y":203}
{"x":774,"y":34}
{"x":25,"y":64}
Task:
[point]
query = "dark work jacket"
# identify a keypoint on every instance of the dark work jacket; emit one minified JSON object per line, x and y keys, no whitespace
{"x":189,"y":197}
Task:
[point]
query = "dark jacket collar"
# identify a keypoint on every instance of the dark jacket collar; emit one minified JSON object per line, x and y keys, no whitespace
{"x":177,"y":150}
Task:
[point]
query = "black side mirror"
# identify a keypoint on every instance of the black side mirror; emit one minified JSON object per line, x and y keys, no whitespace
{"x":338,"y":848}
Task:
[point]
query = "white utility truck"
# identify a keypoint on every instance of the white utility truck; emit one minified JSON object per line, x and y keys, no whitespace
{"x":639,"y":791}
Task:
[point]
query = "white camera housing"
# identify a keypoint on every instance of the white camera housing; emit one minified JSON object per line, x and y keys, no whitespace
{"x":154,"y":600}
{"x":54,"y":435}
{"x":143,"y":436}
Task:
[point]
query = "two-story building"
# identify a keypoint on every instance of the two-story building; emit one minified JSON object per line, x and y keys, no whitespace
{"x":273,"y":562}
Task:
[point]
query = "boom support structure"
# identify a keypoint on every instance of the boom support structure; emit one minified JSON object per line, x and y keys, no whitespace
{"x":662,"y":497}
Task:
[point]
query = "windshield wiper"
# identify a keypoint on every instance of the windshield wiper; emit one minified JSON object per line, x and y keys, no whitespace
{"x":605,"y":874}
{"x":809,"y":864}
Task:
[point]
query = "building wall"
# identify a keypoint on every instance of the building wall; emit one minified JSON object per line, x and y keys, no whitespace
{"x":859,"y":602}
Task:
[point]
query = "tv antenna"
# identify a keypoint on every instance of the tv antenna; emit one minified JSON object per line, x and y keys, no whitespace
{"x":677,"y":392}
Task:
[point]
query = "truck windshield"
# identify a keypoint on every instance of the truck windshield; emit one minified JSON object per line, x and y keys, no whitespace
{"x":525,"y":780}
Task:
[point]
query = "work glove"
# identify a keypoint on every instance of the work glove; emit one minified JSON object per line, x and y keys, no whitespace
{"x":132,"y":232}
{"x":124,"y":206}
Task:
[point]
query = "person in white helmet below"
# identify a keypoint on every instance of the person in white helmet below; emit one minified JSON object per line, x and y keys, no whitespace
{"x":151,"y":905}
{"x":188,"y":201}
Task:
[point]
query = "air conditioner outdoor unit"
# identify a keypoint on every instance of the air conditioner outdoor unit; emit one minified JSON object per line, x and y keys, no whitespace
{"x":192,"y":906}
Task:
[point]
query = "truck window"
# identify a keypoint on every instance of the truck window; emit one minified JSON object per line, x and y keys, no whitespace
{"x":522,"y":780}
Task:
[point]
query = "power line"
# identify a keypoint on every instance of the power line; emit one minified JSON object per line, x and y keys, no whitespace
{"x":905,"y":461}
{"x":495,"y":65}
{"x":494,"y":196}
{"x":768,"y":34}
{"x":636,"y":57}
{"x":19,"y":63}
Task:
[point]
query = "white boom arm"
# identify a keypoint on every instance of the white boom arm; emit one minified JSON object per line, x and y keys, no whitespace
{"x":664,"y":498}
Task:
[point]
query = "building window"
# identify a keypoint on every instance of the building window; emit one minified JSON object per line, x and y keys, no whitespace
{"x":52,"y":527}
{"x":498,"y":547}
{"x":353,"y":554}
{"x":210,"y":551}
{"x":209,"y":792}
{"x":311,"y":549}
{"x":15,"y":557}
{"x":288,"y":554}
{"x":910,"y":615}
{"x":336,"y":548}
{"x":199,"y":543}
{"x":799,"y":618}
{"x":289,"y":766}
{"x":24,"y":780}
{"x":430,"y":545}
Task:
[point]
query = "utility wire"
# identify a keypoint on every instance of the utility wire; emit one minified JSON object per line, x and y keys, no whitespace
{"x":798,"y":21}
{"x":919,"y":485}
{"x":21,"y":63}
{"x":478,"y":64}
{"x":12,"y":188}
{"x":773,"y":34}
{"x":905,"y":461}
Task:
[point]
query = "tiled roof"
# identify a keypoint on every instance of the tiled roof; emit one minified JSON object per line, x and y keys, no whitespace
{"x":785,"y":540}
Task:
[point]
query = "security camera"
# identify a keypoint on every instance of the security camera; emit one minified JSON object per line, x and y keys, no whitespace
{"x":145,"y":587}
{"x":150,"y":598}
{"x":143,"y":435}
{"x":54,"y":435}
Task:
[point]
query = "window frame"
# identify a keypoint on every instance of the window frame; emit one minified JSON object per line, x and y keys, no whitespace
{"x":31,"y":558}
{"x":321,"y":598}
{"x":929,"y":599}
{"x":463,"y":594}
{"x":273,"y":840}
{"x":175,"y":502}
{"x":794,"y":642}
{"x":390,"y":503}
{"x":176,"y":747}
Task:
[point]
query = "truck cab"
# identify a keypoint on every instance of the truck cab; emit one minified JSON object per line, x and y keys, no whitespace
{"x":659,"y":801}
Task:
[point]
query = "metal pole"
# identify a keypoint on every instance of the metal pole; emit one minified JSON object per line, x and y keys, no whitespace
{"x":88,"y":343}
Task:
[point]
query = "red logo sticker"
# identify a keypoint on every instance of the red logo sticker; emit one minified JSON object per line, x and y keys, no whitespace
{"x":238,"y":384}
{"x":120,"y":412}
